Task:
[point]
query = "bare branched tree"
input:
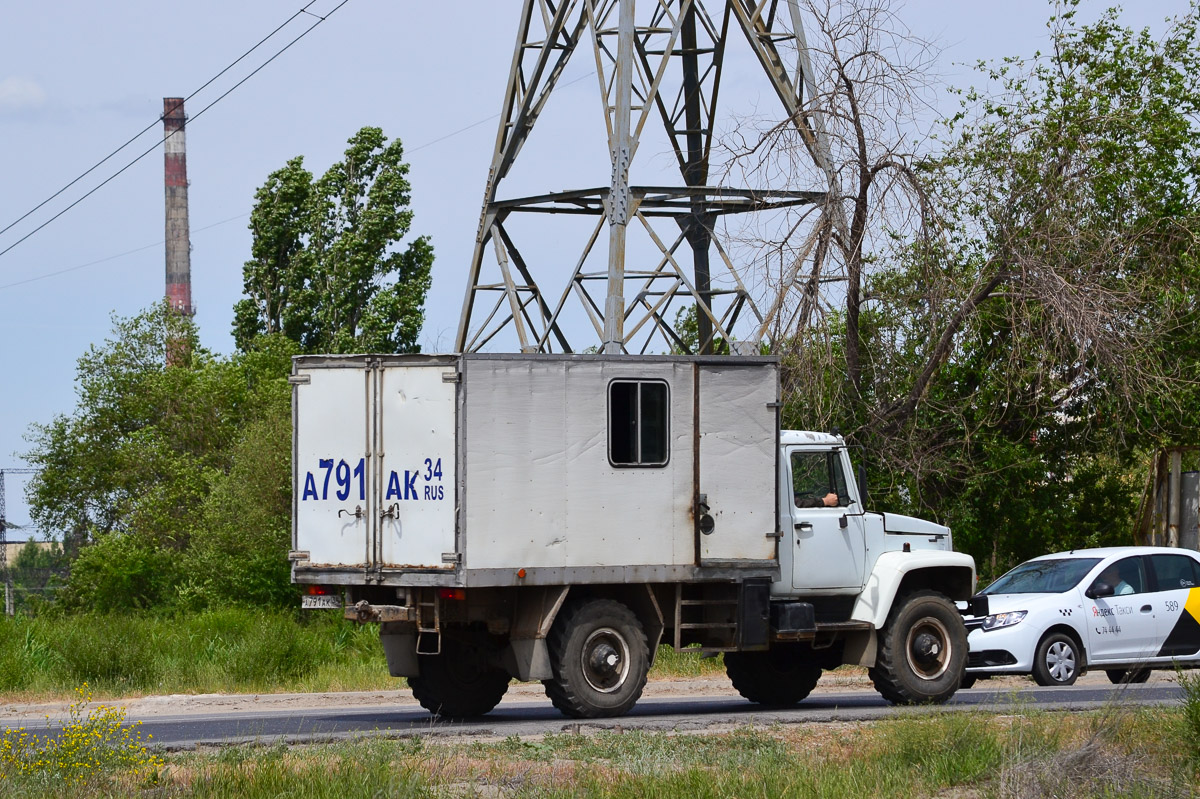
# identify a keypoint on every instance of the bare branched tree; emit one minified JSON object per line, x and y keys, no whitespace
{"x":860,"y":133}
{"x":1016,"y":293}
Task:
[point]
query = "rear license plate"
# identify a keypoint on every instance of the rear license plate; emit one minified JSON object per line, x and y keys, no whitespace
{"x":318,"y":601}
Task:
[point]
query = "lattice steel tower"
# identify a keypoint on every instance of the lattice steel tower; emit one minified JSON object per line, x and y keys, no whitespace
{"x":658,"y":62}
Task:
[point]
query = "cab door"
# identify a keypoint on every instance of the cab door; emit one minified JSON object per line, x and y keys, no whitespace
{"x":828,"y":544}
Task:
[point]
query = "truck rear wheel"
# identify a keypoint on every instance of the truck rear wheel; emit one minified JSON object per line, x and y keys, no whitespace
{"x":600,"y":659}
{"x":922,"y":651}
{"x":781,"y":676}
{"x":458,"y":682}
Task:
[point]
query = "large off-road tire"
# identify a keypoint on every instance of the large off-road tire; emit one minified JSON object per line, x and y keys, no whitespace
{"x":782,"y":676}
{"x":600,"y":659}
{"x":1122,"y":676}
{"x":1057,"y":660}
{"x":459,"y":682}
{"x":922,"y":651}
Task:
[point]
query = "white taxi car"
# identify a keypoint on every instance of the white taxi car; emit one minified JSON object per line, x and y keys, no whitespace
{"x":1122,"y":609}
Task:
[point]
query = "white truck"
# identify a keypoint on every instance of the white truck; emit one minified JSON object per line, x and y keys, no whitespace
{"x":559,"y":517}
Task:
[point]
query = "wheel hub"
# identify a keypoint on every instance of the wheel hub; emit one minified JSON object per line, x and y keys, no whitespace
{"x":605,"y":660}
{"x":1060,"y":661}
{"x":928,"y":649}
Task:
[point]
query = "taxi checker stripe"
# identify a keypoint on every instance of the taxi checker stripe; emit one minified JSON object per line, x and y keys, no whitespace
{"x":1185,"y":635}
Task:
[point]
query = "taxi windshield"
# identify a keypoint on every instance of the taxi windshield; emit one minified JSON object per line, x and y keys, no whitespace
{"x":1043,"y":576}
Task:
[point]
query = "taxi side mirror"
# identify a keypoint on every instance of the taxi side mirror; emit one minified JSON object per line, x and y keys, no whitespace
{"x":1099,"y":589}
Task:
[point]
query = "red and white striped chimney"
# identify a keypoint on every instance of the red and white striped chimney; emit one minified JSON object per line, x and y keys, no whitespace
{"x":179,"y":258}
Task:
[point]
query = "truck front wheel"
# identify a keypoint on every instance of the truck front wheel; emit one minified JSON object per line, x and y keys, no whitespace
{"x":600,"y":659}
{"x":782,"y":676}
{"x":458,"y":682}
{"x":922,"y":651}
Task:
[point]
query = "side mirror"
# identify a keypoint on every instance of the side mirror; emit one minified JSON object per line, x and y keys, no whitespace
{"x":862,"y":486}
{"x":1099,"y":589}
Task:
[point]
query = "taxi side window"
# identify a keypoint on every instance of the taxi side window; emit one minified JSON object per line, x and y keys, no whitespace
{"x":1174,"y":572}
{"x":1126,"y":576}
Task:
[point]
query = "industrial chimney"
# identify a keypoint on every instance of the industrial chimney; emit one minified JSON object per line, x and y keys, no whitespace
{"x":179,"y":259}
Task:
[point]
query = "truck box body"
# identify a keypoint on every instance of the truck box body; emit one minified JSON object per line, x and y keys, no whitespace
{"x":492,"y":470}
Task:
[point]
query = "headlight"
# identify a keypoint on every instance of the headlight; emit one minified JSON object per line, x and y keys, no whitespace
{"x":998,"y":620}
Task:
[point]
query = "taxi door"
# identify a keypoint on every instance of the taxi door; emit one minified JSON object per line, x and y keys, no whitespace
{"x":1122,"y":627}
{"x":1177,"y":578}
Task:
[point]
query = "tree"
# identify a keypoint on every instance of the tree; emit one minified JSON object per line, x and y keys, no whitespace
{"x":1056,"y":314}
{"x":325,"y":270}
{"x":858,"y":133}
{"x":131,"y":477}
{"x":1027,"y":312}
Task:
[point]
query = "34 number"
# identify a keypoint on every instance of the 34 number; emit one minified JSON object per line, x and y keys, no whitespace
{"x":433,"y":470}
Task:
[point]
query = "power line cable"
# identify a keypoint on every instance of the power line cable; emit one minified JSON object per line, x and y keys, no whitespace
{"x":430,"y":143}
{"x":112,"y":257}
{"x":142,"y":132}
{"x":195,"y":116}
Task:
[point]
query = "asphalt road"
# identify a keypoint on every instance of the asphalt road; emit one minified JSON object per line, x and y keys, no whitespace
{"x":524,"y":718}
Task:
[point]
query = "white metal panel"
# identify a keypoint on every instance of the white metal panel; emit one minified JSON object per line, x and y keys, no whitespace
{"x":540,"y":491}
{"x":416,"y":481}
{"x":737,"y":460}
{"x":331,"y":487}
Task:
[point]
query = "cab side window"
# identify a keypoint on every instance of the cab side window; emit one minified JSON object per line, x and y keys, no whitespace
{"x":1173,"y":572}
{"x":816,"y":474}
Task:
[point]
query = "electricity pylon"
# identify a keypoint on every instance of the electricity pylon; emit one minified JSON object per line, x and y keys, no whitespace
{"x":658,"y":62}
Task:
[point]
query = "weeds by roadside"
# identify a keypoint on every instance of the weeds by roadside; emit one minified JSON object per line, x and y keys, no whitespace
{"x":236,"y":650}
{"x":1190,"y":721}
{"x":91,"y":747}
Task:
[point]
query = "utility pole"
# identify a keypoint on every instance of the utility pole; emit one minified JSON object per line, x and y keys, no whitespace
{"x":4,"y":525}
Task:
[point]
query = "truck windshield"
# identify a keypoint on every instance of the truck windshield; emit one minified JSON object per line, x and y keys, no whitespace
{"x":1043,"y":576}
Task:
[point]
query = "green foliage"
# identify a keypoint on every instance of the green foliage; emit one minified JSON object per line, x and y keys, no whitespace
{"x":1018,"y":358}
{"x":170,"y":472}
{"x":325,"y":271}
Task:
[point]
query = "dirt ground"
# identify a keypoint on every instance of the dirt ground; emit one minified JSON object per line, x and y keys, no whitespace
{"x":840,"y":681}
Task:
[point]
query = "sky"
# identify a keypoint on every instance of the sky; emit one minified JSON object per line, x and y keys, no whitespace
{"x":78,"y":79}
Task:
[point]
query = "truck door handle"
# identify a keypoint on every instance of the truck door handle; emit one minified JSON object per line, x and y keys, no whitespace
{"x":804,"y":526}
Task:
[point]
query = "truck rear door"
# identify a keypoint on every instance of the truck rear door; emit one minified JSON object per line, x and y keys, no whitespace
{"x":331,"y":493}
{"x":417,"y":475}
{"x":374,"y":462}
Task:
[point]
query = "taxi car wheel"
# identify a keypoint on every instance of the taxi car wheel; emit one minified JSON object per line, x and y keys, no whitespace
{"x":1120,"y":676}
{"x":1057,"y":661}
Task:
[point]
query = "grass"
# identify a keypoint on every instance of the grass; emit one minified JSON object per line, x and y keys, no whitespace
{"x":235,"y":650}
{"x":229,"y":651}
{"x":959,"y":755}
